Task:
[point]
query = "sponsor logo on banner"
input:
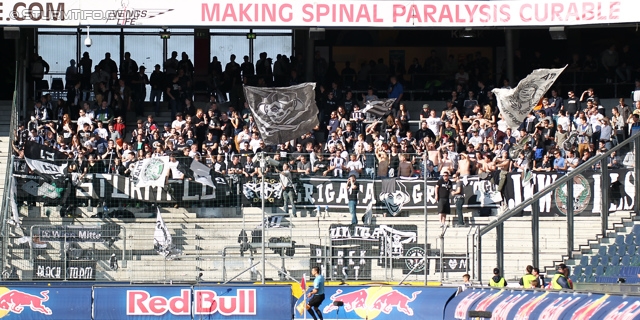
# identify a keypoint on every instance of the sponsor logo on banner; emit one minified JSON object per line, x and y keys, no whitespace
{"x":484,"y":304}
{"x":625,"y":311}
{"x":526,"y":309}
{"x":370,"y":302}
{"x":558,"y":307}
{"x":463,"y":306}
{"x":501,"y":311}
{"x":417,"y":261}
{"x":206,"y":302}
{"x":581,"y":195}
{"x":16,"y":301}
{"x":590,"y":308}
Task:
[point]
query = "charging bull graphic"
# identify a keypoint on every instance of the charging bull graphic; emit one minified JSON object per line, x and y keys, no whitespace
{"x":15,"y":301}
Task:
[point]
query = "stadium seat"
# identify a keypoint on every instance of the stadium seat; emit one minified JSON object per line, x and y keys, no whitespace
{"x":577,"y":270}
{"x":636,"y":241}
{"x":626,"y":261}
{"x":573,"y":278}
{"x":584,"y":260}
{"x":594,"y":260}
{"x":612,"y":249}
{"x":636,"y":230}
{"x":619,"y":239}
{"x":588,"y":271}
{"x":602,"y":250}
{"x":600,"y":271}
{"x":605,"y":261}
{"x":631,"y":250}
{"x":622,"y":250}
{"x":628,"y":239}
{"x":615,"y":260}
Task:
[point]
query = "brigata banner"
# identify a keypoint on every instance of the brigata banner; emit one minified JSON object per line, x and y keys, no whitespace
{"x":548,"y":305}
{"x":391,"y":195}
{"x":42,"y":302}
{"x":329,"y":13}
{"x":587,"y":192}
{"x":381,"y":302}
{"x":183,"y":302}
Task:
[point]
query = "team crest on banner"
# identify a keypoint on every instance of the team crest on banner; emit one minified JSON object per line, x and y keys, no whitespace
{"x":283,"y":114}
{"x":581,"y":195}
{"x":394,"y":195}
{"x":515,"y":104}
{"x":150,"y":172}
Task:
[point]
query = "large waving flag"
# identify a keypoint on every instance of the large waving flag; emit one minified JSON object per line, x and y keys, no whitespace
{"x":515,"y":104}
{"x":379,"y":108}
{"x":284,"y":113}
{"x":162,"y":240}
{"x":150,"y":172}
{"x":45,"y":160}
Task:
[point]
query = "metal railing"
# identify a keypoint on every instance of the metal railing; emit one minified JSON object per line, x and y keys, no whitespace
{"x":498,"y":224}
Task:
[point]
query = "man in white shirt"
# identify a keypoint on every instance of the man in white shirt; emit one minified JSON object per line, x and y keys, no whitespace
{"x":354,"y":166}
{"x":83,"y":118}
{"x":564,"y":121}
{"x":178,"y":123}
{"x":337,"y":164}
{"x":434,"y":124}
{"x":571,"y":161}
{"x":476,"y":139}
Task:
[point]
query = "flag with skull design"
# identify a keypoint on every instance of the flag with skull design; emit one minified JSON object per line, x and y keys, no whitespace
{"x":284,"y":113}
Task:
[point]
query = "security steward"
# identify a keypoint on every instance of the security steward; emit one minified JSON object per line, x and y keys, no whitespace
{"x":561,"y":278}
{"x":497,"y":281}
{"x":525,"y":281}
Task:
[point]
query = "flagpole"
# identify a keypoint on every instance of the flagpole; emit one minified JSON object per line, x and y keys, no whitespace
{"x":262,"y":167}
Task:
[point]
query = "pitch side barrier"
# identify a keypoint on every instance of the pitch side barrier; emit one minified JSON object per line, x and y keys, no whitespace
{"x":214,"y":301}
{"x":541,"y":304}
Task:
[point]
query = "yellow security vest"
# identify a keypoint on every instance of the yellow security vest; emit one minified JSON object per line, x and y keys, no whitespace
{"x":554,"y":282}
{"x":499,"y":284}
{"x":527,"y":279}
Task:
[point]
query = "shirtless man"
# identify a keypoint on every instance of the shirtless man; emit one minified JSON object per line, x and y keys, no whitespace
{"x":434,"y":154}
{"x":405,"y":168}
{"x":464,"y":165}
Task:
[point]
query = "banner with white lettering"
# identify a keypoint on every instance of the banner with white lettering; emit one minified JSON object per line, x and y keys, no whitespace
{"x":76,"y":233}
{"x":587,"y":191}
{"x":329,"y":13}
{"x":408,"y":195}
{"x":61,"y":270}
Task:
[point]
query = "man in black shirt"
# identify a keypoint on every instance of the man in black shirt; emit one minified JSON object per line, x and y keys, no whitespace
{"x":571,"y":106}
{"x":352,"y":189}
{"x":443,"y":190}
{"x":321,"y":166}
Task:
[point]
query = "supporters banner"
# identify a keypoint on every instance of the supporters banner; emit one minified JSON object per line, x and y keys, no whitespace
{"x":56,"y":270}
{"x":329,"y":13}
{"x":76,"y":233}
{"x":587,"y":190}
{"x":150,"y":172}
{"x":45,"y":160}
{"x":516,"y":103}
{"x":406,"y":195}
{"x":283,"y":114}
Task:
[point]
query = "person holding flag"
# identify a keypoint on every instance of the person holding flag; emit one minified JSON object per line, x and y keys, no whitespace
{"x":316,"y":295}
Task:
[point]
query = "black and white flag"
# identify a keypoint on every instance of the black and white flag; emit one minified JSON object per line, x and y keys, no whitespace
{"x":151,"y":172}
{"x":45,"y":160}
{"x":515,"y":104}
{"x":162,"y":240}
{"x":379,"y":108}
{"x":285,"y":113}
{"x":202,"y":174}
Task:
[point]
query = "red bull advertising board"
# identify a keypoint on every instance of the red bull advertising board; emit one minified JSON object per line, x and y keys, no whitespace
{"x":543,"y":305}
{"x":186,"y":302}
{"x":44,"y":302}
{"x":381,"y":302}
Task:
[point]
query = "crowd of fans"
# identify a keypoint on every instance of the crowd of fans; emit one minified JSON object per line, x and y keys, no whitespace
{"x":469,"y":137}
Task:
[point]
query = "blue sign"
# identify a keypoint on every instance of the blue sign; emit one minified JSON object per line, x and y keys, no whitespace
{"x":182,"y":302}
{"x":381,"y":302}
{"x":539,"y":304}
{"x":26,"y":302}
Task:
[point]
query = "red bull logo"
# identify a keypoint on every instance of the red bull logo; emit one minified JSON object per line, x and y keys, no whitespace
{"x":463,"y":307}
{"x":140,"y":302}
{"x":16,"y":301}
{"x":586,"y":311}
{"x":525,"y":311}
{"x":556,"y":308}
{"x":371,"y":302}
{"x":501,"y":311}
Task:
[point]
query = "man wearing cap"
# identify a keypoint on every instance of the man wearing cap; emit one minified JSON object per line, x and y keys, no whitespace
{"x":156,"y":82}
{"x":424,"y":114}
{"x":497,"y":281}
{"x":560,"y":279}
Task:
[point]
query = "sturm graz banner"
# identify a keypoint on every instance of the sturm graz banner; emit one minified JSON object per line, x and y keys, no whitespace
{"x":398,"y":194}
{"x":74,"y":269}
{"x":283,"y":114}
{"x":587,"y":192}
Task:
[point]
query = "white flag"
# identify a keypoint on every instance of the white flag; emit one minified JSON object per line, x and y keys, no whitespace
{"x":150,"y":172}
{"x":202,"y":173}
{"x":515,"y":104}
{"x":162,"y":241}
{"x":14,"y":204}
